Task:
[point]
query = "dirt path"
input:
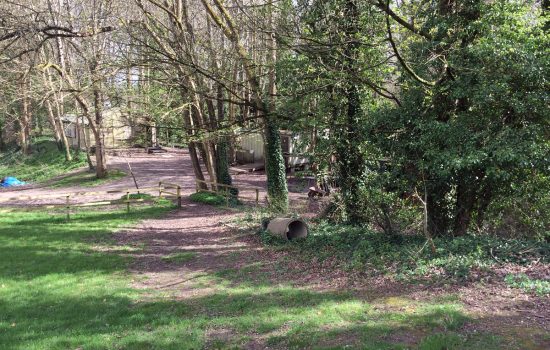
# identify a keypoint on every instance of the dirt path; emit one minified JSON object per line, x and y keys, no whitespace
{"x":218,"y":253}
{"x":173,"y":167}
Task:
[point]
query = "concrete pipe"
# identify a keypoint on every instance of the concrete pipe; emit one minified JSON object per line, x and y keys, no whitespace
{"x":288,"y":228}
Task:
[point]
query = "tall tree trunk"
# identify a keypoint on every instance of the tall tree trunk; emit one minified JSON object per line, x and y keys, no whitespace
{"x":61,"y":137}
{"x":466,"y":199}
{"x":2,"y":142}
{"x":54,"y":125}
{"x":275,"y":168}
{"x":100,"y":156}
{"x":66,"y":146}
{"x":25,"y":120}
{"x":222,"y":160}
{"x":192,"y":146}
{"x":85,"y":138}
{"x":199,"y":122}
{"x":350,"y":158}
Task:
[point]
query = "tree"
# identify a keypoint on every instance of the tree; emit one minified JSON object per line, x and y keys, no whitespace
{"x":274,"y":162}
{"x":474,"y":100}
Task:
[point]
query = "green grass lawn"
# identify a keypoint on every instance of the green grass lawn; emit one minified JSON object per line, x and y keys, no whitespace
{"x":65,"y":285}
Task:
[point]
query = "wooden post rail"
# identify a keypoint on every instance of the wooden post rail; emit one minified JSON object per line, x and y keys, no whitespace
{"x":167,"y":185}
{"x":66,"y":203}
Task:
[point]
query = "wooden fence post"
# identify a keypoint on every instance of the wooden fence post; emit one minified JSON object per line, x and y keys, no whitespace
{"x":160,"y":189}
{"x":178,"y":193}
{"x":257,"y":196}
{"x":128,"y":201}
{"x":68,"y":206}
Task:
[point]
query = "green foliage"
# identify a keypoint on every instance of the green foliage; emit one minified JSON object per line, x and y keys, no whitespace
{"x":524,"y":212}
{"x":277,"y":189}
{"x":208,"y":198}
{"x":44,"y":163}
{"x":481,"y":131}
{"x":270,"y":239}
{"x":145,"y":196}
{"x":408,"y":257}
{"x":441,"y":341}
{"x":522,"y":281}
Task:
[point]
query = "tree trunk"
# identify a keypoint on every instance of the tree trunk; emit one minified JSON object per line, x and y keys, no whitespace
{"x":198,"y":121}
{"x":350,"y":158}
{"x":66,"y":146}
{"x":277,"y":189}
{"x":54,"y":125}
{"x":25,"y":121}
{"x":2,"y":143}
{"x":191,"y":145}
{"x":100,"y":156}
{"x":275,"y":167}
{"x":222,"y":146}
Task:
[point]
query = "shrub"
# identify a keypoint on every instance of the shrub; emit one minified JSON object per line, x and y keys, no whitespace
{"x":208,"y":198}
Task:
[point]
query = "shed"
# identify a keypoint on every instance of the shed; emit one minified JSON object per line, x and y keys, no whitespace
{"x":250,"y":148}
{"x":119,"y":130}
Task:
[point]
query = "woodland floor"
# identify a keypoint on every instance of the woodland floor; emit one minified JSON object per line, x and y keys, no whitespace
{"x":238,"y":293}
{"x":219,"y":254}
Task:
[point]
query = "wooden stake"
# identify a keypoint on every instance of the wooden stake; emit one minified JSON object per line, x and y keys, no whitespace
{"x":68,"y":206}
{"x":178,"y":193}
{"x":128,"y":201}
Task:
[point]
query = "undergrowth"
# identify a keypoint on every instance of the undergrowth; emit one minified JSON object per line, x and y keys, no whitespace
{"x":408,"y":257}
{"x":44,"y":163}
{"x":212,"y":199}
{"x":524,"y":282}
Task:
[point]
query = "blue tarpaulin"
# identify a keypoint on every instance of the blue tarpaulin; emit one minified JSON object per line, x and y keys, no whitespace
{"x":11,"y":181}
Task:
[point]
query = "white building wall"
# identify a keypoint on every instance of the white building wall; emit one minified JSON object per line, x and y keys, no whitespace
{"x":253,"y":142}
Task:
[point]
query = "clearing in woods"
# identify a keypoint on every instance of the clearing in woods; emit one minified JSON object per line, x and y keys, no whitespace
{"x":192,"y":279}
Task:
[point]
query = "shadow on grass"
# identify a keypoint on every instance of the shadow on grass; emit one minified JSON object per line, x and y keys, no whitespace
{"x":112,"y":318}
{"x":101,"y":218}
{"x":58,"y":292}
{"x":37,"y":244}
